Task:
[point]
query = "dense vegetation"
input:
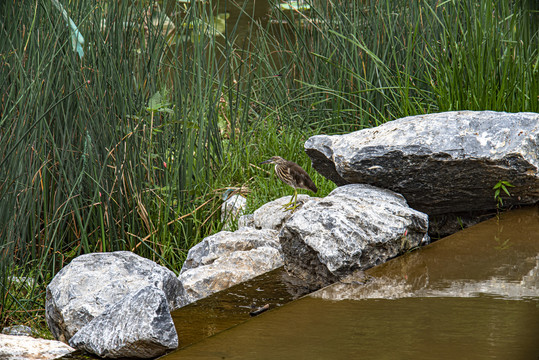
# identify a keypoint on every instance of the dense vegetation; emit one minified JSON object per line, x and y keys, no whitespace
{"x":132,"y":146}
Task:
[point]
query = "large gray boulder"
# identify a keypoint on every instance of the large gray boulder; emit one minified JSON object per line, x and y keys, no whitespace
{"x":91,"y":283}
{"x":441,"y":163}
{"x":138,"y":326}
{"x":354,"y":228}
{"x":226,"y":259}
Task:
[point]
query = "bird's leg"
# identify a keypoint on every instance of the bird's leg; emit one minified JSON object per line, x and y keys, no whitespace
{"x":287,"y":205}
{"x":293,"y":204}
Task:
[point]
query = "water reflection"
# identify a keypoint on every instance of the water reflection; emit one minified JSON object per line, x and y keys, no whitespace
{"x":498,"y":257}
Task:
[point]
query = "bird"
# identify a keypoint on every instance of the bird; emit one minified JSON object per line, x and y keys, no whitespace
{"x":291,"y":174}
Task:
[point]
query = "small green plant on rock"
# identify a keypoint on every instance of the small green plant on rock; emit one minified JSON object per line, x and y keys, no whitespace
{"x":502,"y":185}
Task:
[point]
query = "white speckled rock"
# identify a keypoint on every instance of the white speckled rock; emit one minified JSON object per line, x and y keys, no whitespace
{"x":16,"y":347}
{"x":272,"y":215}
{"x":354,"y":228}
{"x":231,"y":209}
{"x":91,"y":283}
{"x":441,"y":163}
{"x":246,"y":221}
{"x":226,"y":259}
{"x":138,"y":326}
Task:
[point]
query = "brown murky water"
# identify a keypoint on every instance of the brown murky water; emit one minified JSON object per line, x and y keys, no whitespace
{"x":473,"y":295}
{"x":408,"y":328}
{"x":226,"y":309}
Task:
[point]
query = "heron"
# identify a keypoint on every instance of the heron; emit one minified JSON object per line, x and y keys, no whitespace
{"x":293,"y":175}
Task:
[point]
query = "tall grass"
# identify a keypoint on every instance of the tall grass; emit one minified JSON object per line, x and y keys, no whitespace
{"x":113,"y":151}
{"x":131,"y":146}
{"x":348,"y":64}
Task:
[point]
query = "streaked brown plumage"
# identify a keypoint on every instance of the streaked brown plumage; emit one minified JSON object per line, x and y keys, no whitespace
{"x":292,"y":174}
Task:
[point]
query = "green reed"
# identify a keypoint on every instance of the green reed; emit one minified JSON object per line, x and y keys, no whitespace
{"x":346,"y":65}
{"x":111,"y":151}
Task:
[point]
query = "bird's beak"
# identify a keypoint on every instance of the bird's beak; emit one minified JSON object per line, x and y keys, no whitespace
{"x":264,"y":162}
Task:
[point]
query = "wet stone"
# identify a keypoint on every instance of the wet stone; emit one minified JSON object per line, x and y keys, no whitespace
{"x":226,"y":259}
{"x":354,"y":228}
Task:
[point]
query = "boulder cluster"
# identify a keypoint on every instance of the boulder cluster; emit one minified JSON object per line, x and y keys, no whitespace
{"x":394,"y":181}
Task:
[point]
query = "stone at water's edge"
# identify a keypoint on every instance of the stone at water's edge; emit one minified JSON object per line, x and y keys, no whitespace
{"x":92,"y":283}
{"x":441,"y":163}
{"x":139,"y":326}
{"x":228,"y":258}
{"x":354,"y":228}
{"x":16,"y":347}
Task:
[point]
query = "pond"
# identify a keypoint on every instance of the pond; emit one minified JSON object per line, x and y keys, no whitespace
{"x":472,"y":295}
